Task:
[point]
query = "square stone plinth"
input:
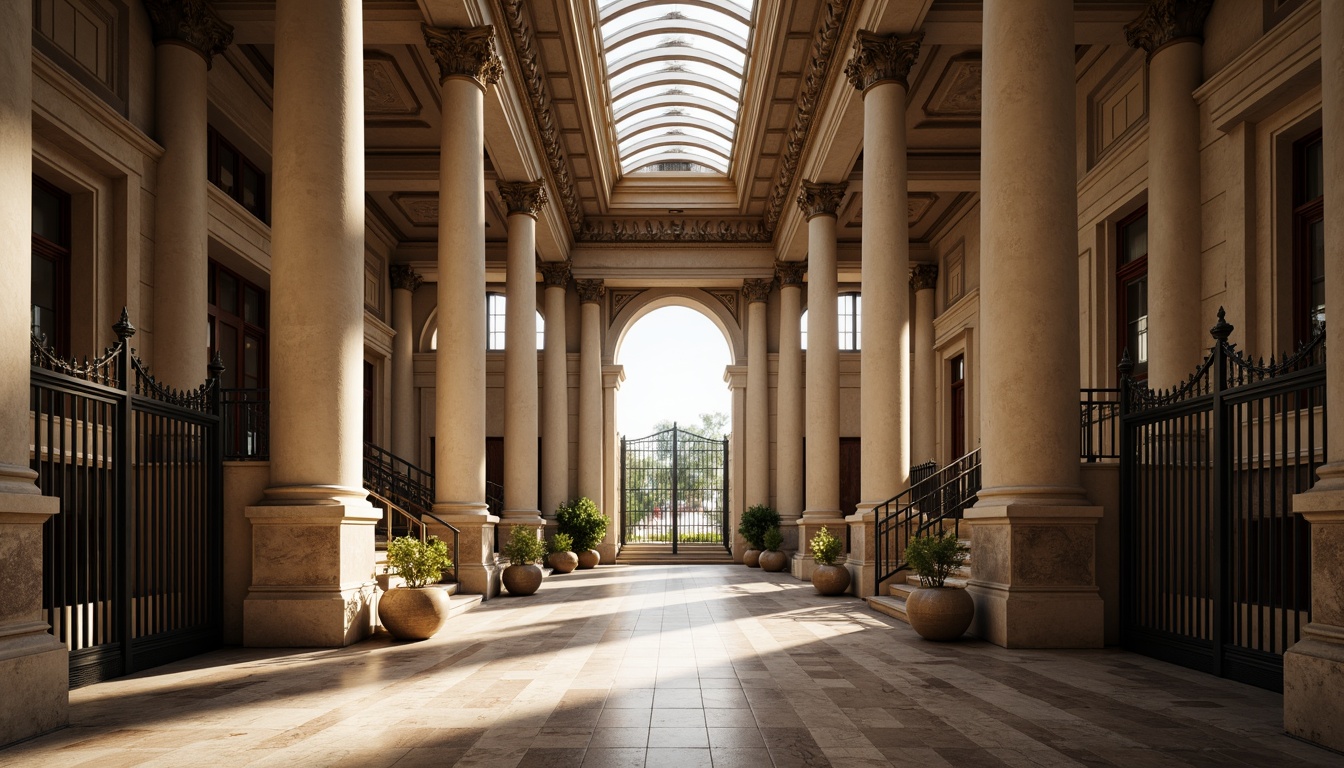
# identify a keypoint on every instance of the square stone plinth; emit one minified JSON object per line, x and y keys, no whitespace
{"x":478,"y":569}
{"x":1313,"y":670}
{"x":803,"y":563}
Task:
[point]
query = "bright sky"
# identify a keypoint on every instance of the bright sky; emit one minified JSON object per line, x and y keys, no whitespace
{"x":674,"y":359}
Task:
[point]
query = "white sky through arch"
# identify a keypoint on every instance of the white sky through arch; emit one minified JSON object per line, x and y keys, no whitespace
{"x":674,"y":359}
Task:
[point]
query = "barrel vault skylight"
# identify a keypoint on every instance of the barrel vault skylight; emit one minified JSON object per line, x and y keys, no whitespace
{"x":674,"y":71}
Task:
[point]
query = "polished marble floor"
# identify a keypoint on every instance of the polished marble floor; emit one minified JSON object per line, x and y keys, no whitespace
{"x":679,"y":666}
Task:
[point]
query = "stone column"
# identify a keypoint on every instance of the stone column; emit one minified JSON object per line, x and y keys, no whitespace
{"x":405,"y":405}
{"x":819,"y":203}
{"x":187,"y":35}
{"x":612,"y":376}
{"x":34,"y":666}
{"x":735,"y":376}
{"x":789,"y":402}
{"x":312,"y":534}
{"x":555,"y":406}
{"x":758,"y":394}
{"x":1170,"y":31}
{"x":923,"y":395}
{"x":467,"y":66}
{"x":524,"y":200}
{"x":1313,"y":670}
{"x":590,"y":389}
{"x":1035,"y":560}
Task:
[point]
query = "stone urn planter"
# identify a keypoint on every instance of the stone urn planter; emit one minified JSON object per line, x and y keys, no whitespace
{"x":522,"y":580}
{"x":940,"y":613}
{"x":831,"y":580}
{"x":586,"y":526}
{"x":756,"y":521}
{"x":589,"y":558}
{"x":774,"y":561}
{"x":752,"y":558}
{"x":413,"y":613}
{"x":524,"y":549}
{"x":563,"y":562}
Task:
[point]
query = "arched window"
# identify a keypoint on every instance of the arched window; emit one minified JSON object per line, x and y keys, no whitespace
{"x":849,"y":311}
{"x":494,"y":326}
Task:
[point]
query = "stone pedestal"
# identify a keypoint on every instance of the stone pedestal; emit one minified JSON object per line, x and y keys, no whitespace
{"x":862,"y":560}
{"x":802,"y":563}
{"x":478,"y":567}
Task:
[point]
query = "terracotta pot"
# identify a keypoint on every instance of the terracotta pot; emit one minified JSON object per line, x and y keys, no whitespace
{"x":831,"y":579}
{"x":589,"y":559}
{"x":940,"y":613}
{"x":413,"y":613}
{"x":752,"y":558}
{"x":563,"y":562}
{"x":773,"y":560}
{"x":522,"y":580}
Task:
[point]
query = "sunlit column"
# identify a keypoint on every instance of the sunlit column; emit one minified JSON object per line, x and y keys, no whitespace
{"x":612,"y":376}
{"x":758,"y":394}
{"x":590,"y":388}
{"x":405,"y":408}
{"x":923,"y":397}
{"x":789,"y":400}
{"x":555,"y":403}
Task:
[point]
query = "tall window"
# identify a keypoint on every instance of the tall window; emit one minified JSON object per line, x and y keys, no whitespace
{"x":956,"y":398}
{"x":51,"y":265}
{"x":1131,"y":280}
{"x":1308,"y":237}
{"x":238,"y":321}
{"x":849,"y":310}
{"x":237,"y":176}
{"x":494,"y":325}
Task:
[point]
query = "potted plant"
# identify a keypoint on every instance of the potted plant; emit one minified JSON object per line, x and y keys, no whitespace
{"x":755,"y":522}
{"x":772,"y":559}
{"x":935,"y":610}
{"x":523,"y":549}
{"x":561,"y":558}
{"x":827,"y":577}
{"x":581,"y":520}
{"x":419,"y":609}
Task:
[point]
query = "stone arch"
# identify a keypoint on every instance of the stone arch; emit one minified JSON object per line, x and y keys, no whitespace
{"x":692,"y":298}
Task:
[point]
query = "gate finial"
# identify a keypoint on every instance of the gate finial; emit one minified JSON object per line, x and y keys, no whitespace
{"x":1221,"y":329}
{"x":1126,"y":366}
{"x":123,"y":327}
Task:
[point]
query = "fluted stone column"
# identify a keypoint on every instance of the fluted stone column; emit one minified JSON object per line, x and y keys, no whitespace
{"x":467,"y":66}
{"x":758,"y":394}
{"x":819,"y":203}
{"x":187,"y":35}
{"x":923,"y":396}
{"x":405,"y":405}
{"x":312,"y":535}
{"x":1313,"y":670}
{"x":1034,"y":580}
{"x":35,"y":667}
{"x":1170,"y":31}
{"x":524,"y":200}
{"x":789,"y":402}
{"x":612,"y":376}
{"x":555,"y":405}
{"x":590,"y":389}
{"x":735,"y":376}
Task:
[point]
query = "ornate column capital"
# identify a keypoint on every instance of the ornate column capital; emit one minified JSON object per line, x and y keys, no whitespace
{"x":192,"y":23}
{"x":924,"y":276}
{"x":882,"y":58}
{"x":821,"y":199}
{"x":465,"y":52}
{"x":590,"y":290}
{"x":756,"y":290}
{"x":523,"y":196}
{"x":404,"y":278}
{"x":555,"y":274}
{"x":1166,"y":21}
{"x":790,"y":272}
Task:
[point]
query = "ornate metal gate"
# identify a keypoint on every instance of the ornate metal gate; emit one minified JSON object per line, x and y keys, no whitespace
{"x":674,"y":489}
{"x":1215,"y":567}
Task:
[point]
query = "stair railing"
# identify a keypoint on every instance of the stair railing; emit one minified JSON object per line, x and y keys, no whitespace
{"x":394,"y":477}
{"x":415,"y":523}
{"x":932,"y":503}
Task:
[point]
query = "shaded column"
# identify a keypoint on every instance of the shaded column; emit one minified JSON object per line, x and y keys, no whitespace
{"x":923,"y":396}
{"x":735,"y":376}
{"x":590,"y":389}
{"x":524,"y":200}
{"x":187,"y":35}
{"x":1034,"y":584}
{"x":612,"y":376}
{"x":312,"y":535}
{"x":555,"y":391}
{"x":467,"y":66}
{"x":789,"y":401}
{"x":758,"y":394}
{"x":1170,"y":31}
{"x":34,"y":666}
{"x":819,"y":203}
{"x":405,"y":408}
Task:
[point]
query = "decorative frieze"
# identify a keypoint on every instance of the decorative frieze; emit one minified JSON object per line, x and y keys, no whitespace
{"x":821,"y":199}
{"x":523,"y":196}
{"x":790,"y":272}
{"x":620,"y":298}
{"x":924,"y":276}
{"x":756,"y":290}
{"x":590,"y":290}
{"x":555,"y":273}
{"x":405,"y":278}
{"x":882,"y":59}
{"x":728,"y":299}
{"x":1165,"y":21}
{"x":676,"y":230}
{"x":465,"y":52}
{"x":192,"y":23}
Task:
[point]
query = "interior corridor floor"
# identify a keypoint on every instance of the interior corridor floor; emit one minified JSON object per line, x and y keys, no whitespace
{"x":679,"y":666}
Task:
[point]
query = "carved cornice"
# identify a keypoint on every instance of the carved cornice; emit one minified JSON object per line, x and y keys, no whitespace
{"x":405,"y":278}
{"x":756,"y":290}
{"x":465,"y":52}
{"x":821,"y":199}
{"x":924,"y":276}
{"x":523,"y":196}
{"x":1165,"y":21}
{"x":555,"y":273}
{"x":192,"y":23}
{"x":678,"y":230}
{"x":790,"y":272}
{"x":590,"y":290}
{"x":882,"y":58}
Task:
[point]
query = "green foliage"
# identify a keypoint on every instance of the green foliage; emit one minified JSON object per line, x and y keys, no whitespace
{"x":683,"y":537}
{"x":523,"y":547}
{"x":826,"y":548}
{"x":712,"y":425}
{"x":418,"y":562}
{"x":755,"y":522}
{"x":773,"y":538}
{"x":560,"y":542}
{"x":934,"y":558}
{"x":581,"y":519}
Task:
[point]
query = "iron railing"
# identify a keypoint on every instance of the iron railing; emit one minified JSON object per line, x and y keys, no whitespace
{"x":933,"y":503}
{"x":246,"y":417}
{"x":674,"y":489}
{"x":414,"y":523}
{"x":390,"y":475}
{"x":1099,"y":424}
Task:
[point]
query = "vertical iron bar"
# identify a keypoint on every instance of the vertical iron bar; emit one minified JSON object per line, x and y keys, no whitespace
{"x":676,"y":504}
{"x":625,"y":498}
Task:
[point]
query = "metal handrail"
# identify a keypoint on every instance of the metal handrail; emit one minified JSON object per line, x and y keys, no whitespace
{"x":1099,"y":424}
{"x":927,"y":504}
{"x":392,"y":506}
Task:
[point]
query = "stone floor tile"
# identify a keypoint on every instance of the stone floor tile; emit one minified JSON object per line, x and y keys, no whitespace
{"x":736,"y":738}
{"x":677,"y":758}
{"x":625,"y":718}
{"x":551,"y":758}
{"x":619,"y":737}
{"x":677,"y":699}
{"x":614,"y":758}
{"x":678,"y":718}
{"x":660,"y":738}
{"x":734,"y":757}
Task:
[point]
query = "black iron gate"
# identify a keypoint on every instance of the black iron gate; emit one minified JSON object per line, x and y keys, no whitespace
{"x":1215,"y":565}
{"x":131,"y":565}
{"x":674,"y":489}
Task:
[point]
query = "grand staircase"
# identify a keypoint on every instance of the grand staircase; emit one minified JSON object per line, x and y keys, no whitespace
{"x":893,"y":603}
{"x":686,"y":554}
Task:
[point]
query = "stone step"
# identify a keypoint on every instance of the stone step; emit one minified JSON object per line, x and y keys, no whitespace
{"x":891,"y":606}
{"x":661,"y":554}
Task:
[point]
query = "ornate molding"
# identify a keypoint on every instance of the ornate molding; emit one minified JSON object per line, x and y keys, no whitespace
{"x":678,"y":230}
{"x":523,"y":196}
{"x":924,"y":276}
{"x":620,"y":298}
{"x":405,"y":278}
{"x":1165,"y":21}
{"x":728,"y":299}
{"x":192,"y":23}
{"x":756,"y":290}
{"x":590,"y":290}
{"x":790,"y":272}
{"x":821,"y":199}
{"x":555,"y":273}
{"x":465,"y":52}
{"x":882,"y":58}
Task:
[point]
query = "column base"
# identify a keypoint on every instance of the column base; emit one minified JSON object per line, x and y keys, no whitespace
{"x":862,"y":561}
{"x":478,"y":569}
{"x":803,"y":563}
{"x":1313,"y":669}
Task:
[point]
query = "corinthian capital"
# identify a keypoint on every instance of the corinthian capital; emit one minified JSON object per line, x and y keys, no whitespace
{"x":405,"y":278}
{"x":465,"y":52}
{"x":523,"y":196}
{"x":555,"y":273}
{"x":821,"y":199}
{"x":756,"y":290}
{"x":1165,"y":21}
{"x":192,"y":23}
{"x":790,"y":272}
{"x":590,"y":290}
{"x":882,"y":58}
{"x":924,"y":276}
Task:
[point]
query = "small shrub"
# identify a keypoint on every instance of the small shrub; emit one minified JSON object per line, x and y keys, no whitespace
{"x":418,"y":562}
{"x":773,"y":539}
{"x":523,"y":547}
{"x":560,"y":542}
{"x":934,"y":558}
{"x":581,"y":519}
{"x":755,"y":522}
{"x":826,"y":548}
